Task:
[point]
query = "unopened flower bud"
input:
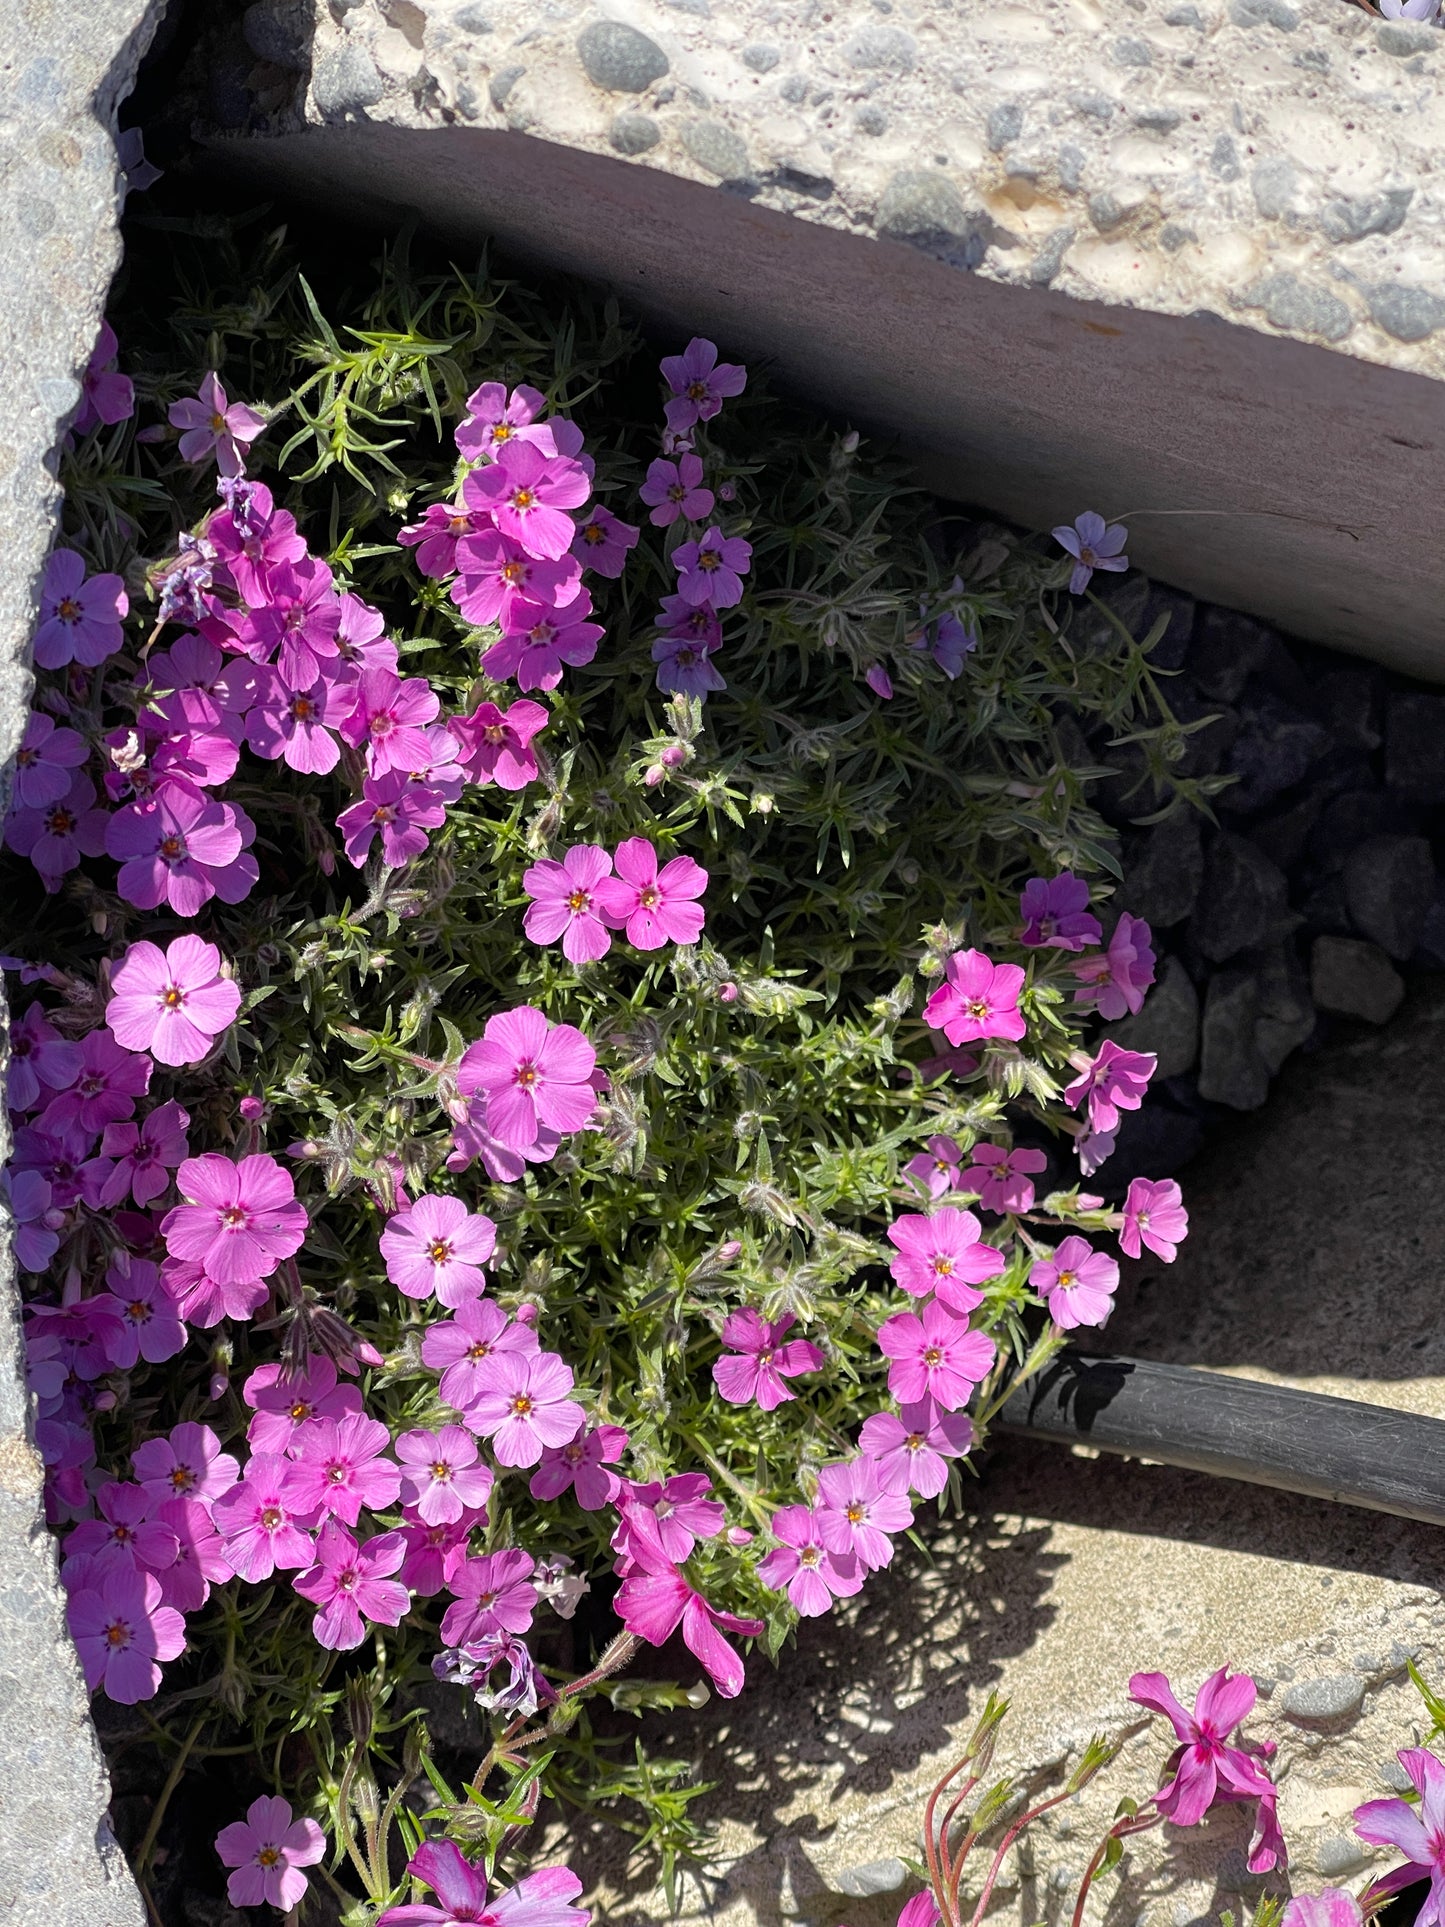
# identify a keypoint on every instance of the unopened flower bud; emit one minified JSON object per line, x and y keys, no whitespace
{"x":255,"y":1110}
{"x":217,"y":1388}
{"x":727,"y":993}
{"x":727,"y":492}
{"x":653,"y":775}
{"x":698,"y":1695}
{"x":673,"y":757}
{"x":739,"y":1536}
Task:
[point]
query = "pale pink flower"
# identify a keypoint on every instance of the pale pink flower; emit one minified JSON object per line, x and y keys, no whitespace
{"x":1331,"y":1906}
{"x":173,"y":1003}
{"x":352,"y":1585}
{"x":934,"y":1356}
{"x":938,"y":1170}
{"x":121,"y":1630}
{"x":80,"y":615}
{"x":268,"y":1849}
{"x":535,"y":1074}
{"x":581,"y":1464}
{"x":458,"y":1348}
{"x":440,"y":1247}
{"x":492,"y":1594}
{"x":1415,"y":1830}
{"x":339,"y":1468}
{"x":1114,"y":1081}
{"x":1154,"y":1215}
{"x":441,"y":1475}
{"x":263,"y":1529}
{"x":978,"y":999}
{"x":434,"y":1553}
{"x":652,"y":906}
{"x":913,"y":1449}
{"x":187,"y":1464}
{"x":1076,"y":1283}
{"x":998,"y":1175}
{"x":565,"y":903}
{"x":528,"y":496}
{"x":212,"y":425}
{"x":1117,"y":979}
{"x":759,"y":1361}
{"x":494,"y":418}
{"x":858,"y":1510}
{"x":803,"y":1565}
{"x":943,"y":1253}
{"x":238,"y":1221}
{"x":523,"y":1405}
{"x":1056,"y":915}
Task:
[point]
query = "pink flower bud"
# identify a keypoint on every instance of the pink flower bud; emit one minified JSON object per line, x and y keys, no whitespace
{"x":254,"y":1109}
{"x":727,"y":492}
{"x":673,"y":757}
{"x":217,"y":1387}
{"x":527,"y":1314}
{"x":654,"y":776}
{"x":739,"y":1536}
{"x":727,"y":993}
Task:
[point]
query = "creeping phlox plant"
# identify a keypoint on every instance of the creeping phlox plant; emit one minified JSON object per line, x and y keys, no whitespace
{"x":541,"y":1042}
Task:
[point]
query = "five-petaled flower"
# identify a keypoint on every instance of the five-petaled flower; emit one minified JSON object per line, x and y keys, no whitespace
{"x":759,"y":1359}
{"x":173,"y":1003}
{"x":1094,"y":544}
{"x":268,"y":1849}
{"x":978,"y":999}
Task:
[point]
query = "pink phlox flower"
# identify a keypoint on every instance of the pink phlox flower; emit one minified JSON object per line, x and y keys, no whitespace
{"x":999,"y":1175}
{"x":435,"y":537}
{"x":213,"y":425}
{"x":251,"y":537}
{"x":1154,"y":1215}
{"x":581,"y":1465}
{"x":106,"y":396}
{"x":494,"y":418}
{"x":497,"y":574}
{"x":1093,"y":1148}
{"x":711,"y":570}
{"x":352,"y":1584}
{"x":1076,"y":1283}
{"x":977,"y":1000}
{"x":41,"y":1061}
{"x":935,"y":1356}
{"x":505,"y":1163}
{"x":943,"y":1253}
{"x":946,"y":637}
{"x":693,"y":622}
{"x":1417,"y":1831}
{"x":59,"y":1155}
{"x":1055,"y":913}
{"x":758,"y":1360}
{"x":239,"y":1220}
{"x":200,"y":1560}
{"x":540,"y":641}
{"x":110,"y":1080}
{"x":441,"y":1476}
{"x":122,"y":1630}
{"x":534,"y":1073}
{"x":858,"y":1511}
{"x":491,"y":1594}
{"x":397,"y":810}
{"x":299,"y":621}
{"x":176,"y":846}
{"x":685,"y":666}
{"x":603,"y":543}
{"x":565,"y":902}
{"x":1205,"y":1767}
{"x":150,"y":1327}
{"x":85,"y":1332}
{"x":679,"y":1510}
{"x":285,"y":1405}
{"x":938,"y":1170}
{"x":803,"y":1565}
{"x":268,"y":1849}
{"x":294,"y":723}
{"x":879,"y":681}
{"x":1117,"y":980}
{"x":1114,"y":1081}
{"x":654,"y":1600}
{"x":653,"y":906}
{"x":264,"y":1529}
{"x":339,"y":1467}
{"x":522,"y":1404}
{"x":80,"y":615}
{"x":459,"y":1347}
{"x":361,"y":643}
{"x":174,"y":1002}
{"x":912,"y":1450}
{"x":699,"y":383}
{"x":1093,"y":545}
{"x":35,"y":1240}
{"x":440,"y":1247}
{"x":434,"y":1553}
{"x":389,"y":718}
{"x":674,"y":489}
{"x":187,"y":1464}
{"x":57,"y":837}
{"x":205,"y":1301}
{"x":44,"y":761}
{"x":496,"y":744}
{"x":127,"y":1533}
{"x":528,"y":495}
{"x":538,"y":1900}
{"x":1332,"y":1906}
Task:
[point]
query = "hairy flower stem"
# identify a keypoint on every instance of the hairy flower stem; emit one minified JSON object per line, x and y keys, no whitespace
{"x":618,"y":1654}
{"x":1130,"y":1823}
{"x":1001,"y":1853}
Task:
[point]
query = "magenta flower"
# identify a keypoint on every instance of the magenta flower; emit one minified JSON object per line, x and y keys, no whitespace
{"x":540,"y":641}
{"x":205,"y":1301}
{"x":1331,"y":1906}
{"x":603,"y":543}
{"x":1416,"y":1831}
{"x":711,"y":570}
{"x":440,"y":1475}
{"x":127,"y":1533}
{"x":200,"y":1560}
{"x":173,"y":1003}
{"x":187,"y":1464}
{"x":803,"y":1565}
{"x":497,"y":573}
{"x":1093,"y":545}
{"x":912,"y":1451}
{"x":440,"y":1247}
{"x":538,"y":1900}
{"x":653,"y":906}
{"x":436,"y":536}
{"x":264,"y":1530}
{"x":177,"y":847}
{"x":352,"y":1584}
{"x":493,"y":1594}
{"x":41,"y":1060}
{"x":44,"y":762}
{"x":397,"y":810}
{"x":149,"y":1327}
{"x":565,"y":903}
{"x":286,"y":1403}
{"x":106,"y":396}
{"x":110,"y":1080}
{"x":581,"y":1465}
{"x":1205,"y":1767}
{"x":458,"y":1348}
{"x":998,"y":1175}
{"x":1154,"y":1215}
{"x":496,"y":744}
{"x":433,"y":1553}
{"x":494,"y":418}
{"x":390,"y":717}
{"x":121,"y":1631}
{"x":654,"y":1600}
{"x":934,"y":1356}
{"x":879,"y":681}
{"x":1115,"y":1081}
{"x":977,"y":999}
{"x":674,"y":489}
{"x":535,"y":1074}
{"x":528,"y":496}
{"x":522,"y":1405}
{"x":57,"y":837}
{"x":759,"y":1361}
{"x":1076,"y":1283}
{"x":80,"y":615}
{"x":1118,"y":979}
{"x":685,"y":666}
{"x":858,"y":1510}
{"x":699,"y":383}
{"x":268,"y":1849}
{"x":338,"y":1467}
{"x":943,"y":1254}
{"x":1056,"y":915}
{"x":938,"y":1170}
{"x":677,"y":1512}
{"x":238,"y":1221}
{"x":294,"y":723}
{"x":212,"y":425}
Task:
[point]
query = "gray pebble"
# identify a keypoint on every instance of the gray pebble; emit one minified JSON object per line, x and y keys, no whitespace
{"x":1005,"y":124}
{"x":1071,"y":167}
{"x":1405,"y":37}
{"x":345,"y":80}
{"x":1231,"y":1069}
{"x":1289,"y":304}
{"x":925,"y":209}
{"x":1174,"y":235}
{"x":717,"y":149}
{"x":633,"y":133}
{"x":1243,"y":900}
{"x":1106,"y":212}
{"x":1184,"y":17}
{"x":501,"y":84}
{"x":1050,"y":257}
{"x":473,"y":20}
{"x":873,"y":1877}
{"x":761,"y":57}
{"x":279,"y":33}
{"x":1409,"y":314}
{"x":871,"y":120}
{"x":1096,"y":106}
{"x":619,"y":58}
{"x":1393,"y":1774}
{"x":1260,"y":13}
{"x":1339,"y":1855}
{"x":1224,"y":159}
{"x":1274,"y":181}
{"x":1314,"y":57}
{"x":1161,"y":120}
{"x":1389,"y":888}
{"x":1352,"y":219}
{"x":794,"y":89}
{"x":1324,"y":1699}
{"x":1355,"y":979}
{"x":888,"y":49}
{"x":1130,"y":52}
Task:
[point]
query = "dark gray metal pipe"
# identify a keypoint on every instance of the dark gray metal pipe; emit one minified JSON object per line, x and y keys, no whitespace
{"x":1237,"y":1428}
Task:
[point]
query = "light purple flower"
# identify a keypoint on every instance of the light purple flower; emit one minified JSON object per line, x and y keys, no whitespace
{"x":678,"y":1512}
{"x":145,"y":1156}
{"x":213,"y":426}
{"x":121,"y":1631}
{"x":879,"y":681}
{"x":1055,"y":913}
{"x":711,"y":570}
{"x":674,"y":489}
{"x":149,"y":1326}
{"x":80,"y":615}
{"x":173,"y":1003}
{"x":268,"y":1849}
{"x":178,"y":847}
{"x":685,"y":666}
{"x":938,"y":1170}
{"x":700,"y":383}
{"x":57,"y":837}
{"x":943,"y":1253}
{"x":803,"y":1565}
{"x":497,"y":573}
{"x":493,"y":1594}
{"x":127,"y":1534}
{"x":435,"y":537}
{"x":858,"y":1510}
{"x":441,"y":1476}
{"x":41,"y":1060}
{"x":523,"y":1404}
{"x":44,"y":762}
{"x":581,"y":1465}
{"x":36,"y":1240}
{"x":352,"y":1584}
{"x":1076,"y":1283}
{"x":1154,"y":1215}
{"x":565,"y":903}
{"x":758,"y":1360}
{"x":653,"y":906}
{"x":286,"y":1403}
{"x":264,"y":1530}
{"x":603,"y":543}
{"x":1117,"y":980}
{"x":458,"y":1348}
{"x":1418,"y":1832}
{"x":109,"y":1081}
{"x":389,"y":717}
{"x":912,"y":1450}
{"x":200,"y":1560}
{"x":496,"y":744}
{"x":187,"y":1464}
{"x":106,"y":396}
{"x":438,"y":1246}
{"x":295,"y":724}
{"x":398,"y":811}
{"x":1093,"y":546}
